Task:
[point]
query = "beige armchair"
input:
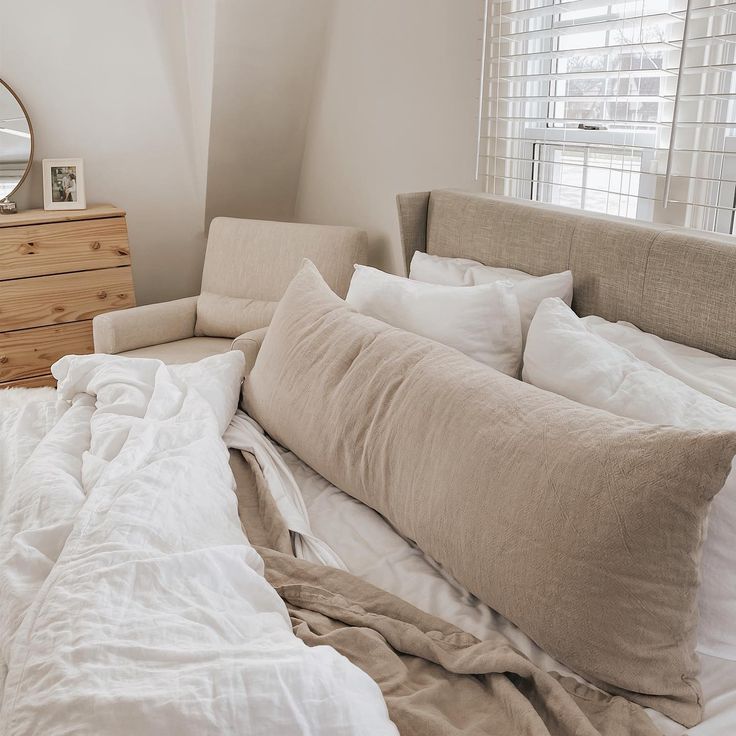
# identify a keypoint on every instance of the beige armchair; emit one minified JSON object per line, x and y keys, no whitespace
{"x":248,"y":265}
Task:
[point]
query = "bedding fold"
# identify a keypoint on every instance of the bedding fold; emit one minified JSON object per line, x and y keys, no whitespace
{"x":245,"y":435}
{"x":38,"y":512}
{"x":581,"y":528}
{"x":435,"y":678}
{"x":151,"y":614}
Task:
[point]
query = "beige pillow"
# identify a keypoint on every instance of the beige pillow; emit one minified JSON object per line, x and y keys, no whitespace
{"x":582,"y":528}
{"x":230,"y":316}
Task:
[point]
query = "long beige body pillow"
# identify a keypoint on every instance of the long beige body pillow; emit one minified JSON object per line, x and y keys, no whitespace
{"x":582,"y":528}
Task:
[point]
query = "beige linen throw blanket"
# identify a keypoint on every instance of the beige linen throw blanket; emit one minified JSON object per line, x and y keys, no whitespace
{"x":435,"y":678}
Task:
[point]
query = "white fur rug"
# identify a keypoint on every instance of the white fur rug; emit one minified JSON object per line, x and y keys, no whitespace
{"x":15,"y":398}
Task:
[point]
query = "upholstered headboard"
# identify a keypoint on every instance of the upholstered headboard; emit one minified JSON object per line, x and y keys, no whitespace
{"x":679,"y":284}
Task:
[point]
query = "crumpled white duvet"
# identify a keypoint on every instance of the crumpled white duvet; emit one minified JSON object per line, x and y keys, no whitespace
{"x":130,"y":599}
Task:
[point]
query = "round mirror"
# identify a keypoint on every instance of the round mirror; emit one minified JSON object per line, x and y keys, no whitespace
{"x":16,"y":142}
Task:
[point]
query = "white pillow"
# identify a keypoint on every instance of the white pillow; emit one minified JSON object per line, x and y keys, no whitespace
{"x":708,"y":373}
{"x":565,"y":356}
{"x":480,"y":321}
{"x":440,"y":270}
{"x":529,"y":290}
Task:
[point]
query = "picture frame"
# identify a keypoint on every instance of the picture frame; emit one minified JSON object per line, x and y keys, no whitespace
{"x":63,"y":184}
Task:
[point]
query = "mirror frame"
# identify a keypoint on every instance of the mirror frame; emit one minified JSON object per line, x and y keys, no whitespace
{"x":33,"y":140}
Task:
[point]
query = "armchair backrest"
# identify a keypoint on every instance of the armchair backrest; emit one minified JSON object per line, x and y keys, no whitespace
{"x":257,"y":259}
{"x":249,"y":264}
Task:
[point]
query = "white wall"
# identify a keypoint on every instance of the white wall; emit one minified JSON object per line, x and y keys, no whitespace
{"x":267,"y":56}
{"x":117,"y":83}
{"x":395,"y":111}
{"x":314,"y":110}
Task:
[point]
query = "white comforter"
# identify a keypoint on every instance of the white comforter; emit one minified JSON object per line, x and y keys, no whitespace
{"x":130,"y":599}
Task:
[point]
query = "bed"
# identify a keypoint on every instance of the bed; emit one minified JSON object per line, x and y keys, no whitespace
{"x":669,"y":281}
{"x":678,"y":284}
{"x":674,"y":283}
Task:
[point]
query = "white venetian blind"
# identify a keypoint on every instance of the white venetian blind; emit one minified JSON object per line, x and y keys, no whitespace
{"x":620,"y":106}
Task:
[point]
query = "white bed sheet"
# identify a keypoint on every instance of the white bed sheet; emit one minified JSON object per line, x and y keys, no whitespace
{"x":130,"y":599}
{"x":372,"y":550}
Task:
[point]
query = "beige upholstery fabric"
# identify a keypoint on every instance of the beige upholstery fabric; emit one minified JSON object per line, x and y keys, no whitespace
{"x":582,"y":528}
{"x":537,"y":244}
{"x":183,"y":351}
{"x":247,"y":266}
{"x":249,"y":344}
{"x":255,"y":260}
{"x":678,"y":284}
{"x":152,"y":324}
{"x":690,"y":290}
{"x":226,"y":316}
{"x":413,"y":209}
{"x":437,"y":680}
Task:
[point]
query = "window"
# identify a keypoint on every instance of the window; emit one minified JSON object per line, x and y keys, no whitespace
{"x":597,"y":179}
{"x":620,"y":106}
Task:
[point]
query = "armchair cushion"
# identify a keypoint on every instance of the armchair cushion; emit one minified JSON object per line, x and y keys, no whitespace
{"x":151,"y":324}
{"x":228,"y":316}
{"x":183,"y":351}
{"x":249,"y":344}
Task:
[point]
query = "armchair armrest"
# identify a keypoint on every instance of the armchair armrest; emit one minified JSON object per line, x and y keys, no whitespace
{"x":249,"y":343}
{"x":140,"y":327}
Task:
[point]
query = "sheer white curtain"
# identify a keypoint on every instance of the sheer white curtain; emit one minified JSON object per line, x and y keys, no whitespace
{"x":619,"y":106}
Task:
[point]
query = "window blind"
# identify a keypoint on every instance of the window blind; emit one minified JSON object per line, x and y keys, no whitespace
{"x":620,"y":106}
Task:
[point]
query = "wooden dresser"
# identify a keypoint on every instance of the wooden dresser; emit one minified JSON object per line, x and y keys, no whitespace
{"x":57,"y":271}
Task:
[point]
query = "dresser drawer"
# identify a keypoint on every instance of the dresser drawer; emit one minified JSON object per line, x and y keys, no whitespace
{"x":27,"y":353}
{"x":63,"y":247}
{"x":35,"y":382}
{"x":71,"y":297}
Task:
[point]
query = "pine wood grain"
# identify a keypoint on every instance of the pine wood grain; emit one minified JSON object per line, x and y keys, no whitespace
{"x":35,"y":382}
{"x":28,"y":353}
{"x":39,"y":217}
{"x":58,"y":269}
{"x":71,"y":297}
{"x":35,"y":250}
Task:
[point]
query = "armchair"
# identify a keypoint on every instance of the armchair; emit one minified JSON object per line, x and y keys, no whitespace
{"x":248,"y":265}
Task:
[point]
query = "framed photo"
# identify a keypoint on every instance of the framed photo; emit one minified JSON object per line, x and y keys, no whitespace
{"x":63,"y":184}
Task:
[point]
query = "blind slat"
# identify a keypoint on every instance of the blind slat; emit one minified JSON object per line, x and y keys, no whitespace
{"x":624,"y":152}
{"x":555,"y":54}
{"x":559,"y":10}
{"x":634,"y":124}
{"x":634,"y":22}
{"x":533,"y":99}
{"x":566,"y":76}
{"x":657,"y":76}
{"x":638,"y":196}
{"x":592,"y":144}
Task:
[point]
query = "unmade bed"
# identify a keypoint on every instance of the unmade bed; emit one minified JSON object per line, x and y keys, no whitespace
{"x":671,"y":283}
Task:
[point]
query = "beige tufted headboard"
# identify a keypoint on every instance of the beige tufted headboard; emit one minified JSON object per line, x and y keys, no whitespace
{"x":679,"y":284}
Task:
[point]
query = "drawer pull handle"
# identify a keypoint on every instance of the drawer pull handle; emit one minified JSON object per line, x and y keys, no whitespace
{"x":102,"y":294}
{"x":3,"y":359}
{"x":96,"y":245}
